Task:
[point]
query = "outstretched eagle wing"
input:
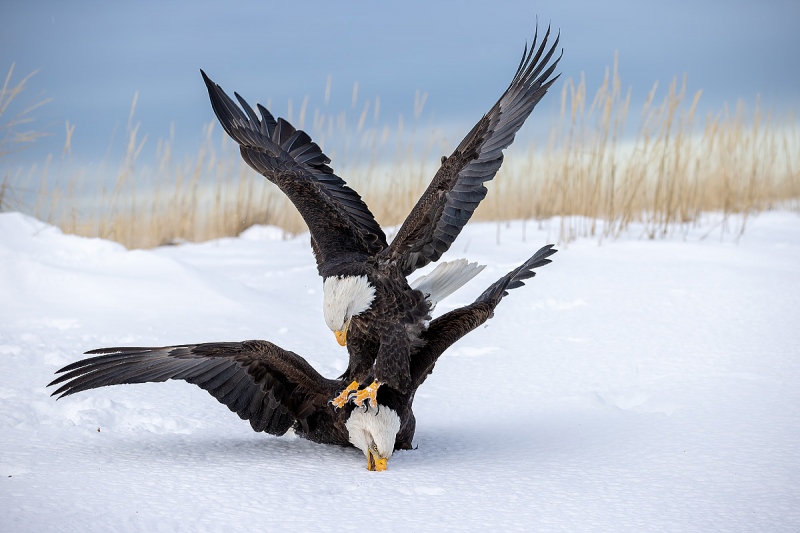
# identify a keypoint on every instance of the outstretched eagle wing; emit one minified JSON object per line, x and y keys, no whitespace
{"x":338,"y":219}
{"x":457,"y":188}
{"x":448,"y":328}
{"x":261,"y":382}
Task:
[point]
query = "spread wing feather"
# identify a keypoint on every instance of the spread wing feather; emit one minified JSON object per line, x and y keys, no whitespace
{"x":261,"y":382}
{"x":516,"y":277}
{"x":338,"y":219}
{"x":457,"y":188}
{"x":448,"y":328}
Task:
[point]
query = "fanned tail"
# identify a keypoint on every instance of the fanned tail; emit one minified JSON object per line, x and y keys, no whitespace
{"x":446,"y":279}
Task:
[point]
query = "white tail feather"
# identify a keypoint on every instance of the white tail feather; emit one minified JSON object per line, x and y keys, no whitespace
{"x":446,"y":279}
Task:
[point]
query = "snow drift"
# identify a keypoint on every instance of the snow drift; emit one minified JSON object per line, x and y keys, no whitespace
{"x":638,"y":385}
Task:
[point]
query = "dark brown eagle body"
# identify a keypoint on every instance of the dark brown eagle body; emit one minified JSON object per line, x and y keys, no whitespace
{"x":380,"y":349}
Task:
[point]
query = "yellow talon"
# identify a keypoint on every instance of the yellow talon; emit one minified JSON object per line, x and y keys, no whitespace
{"x":370,"y":393}
{"x":341,"y":400}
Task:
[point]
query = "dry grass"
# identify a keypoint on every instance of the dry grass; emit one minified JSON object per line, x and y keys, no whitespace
{"x":665,"y":177}
{"x":590,"y":172}
{"x":16,"y":130}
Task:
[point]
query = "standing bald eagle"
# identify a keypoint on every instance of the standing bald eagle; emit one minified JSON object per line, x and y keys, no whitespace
{"x":368,"y":303}
{"x":275,"y":389}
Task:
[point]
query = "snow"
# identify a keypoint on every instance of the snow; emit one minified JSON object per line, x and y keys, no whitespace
{"x":631,"y":386}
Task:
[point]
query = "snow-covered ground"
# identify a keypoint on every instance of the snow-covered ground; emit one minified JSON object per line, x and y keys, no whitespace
{"x":631,"y":386}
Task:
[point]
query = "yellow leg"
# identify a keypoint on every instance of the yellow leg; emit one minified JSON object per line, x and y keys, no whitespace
{"x":369,"y":393}
{"x":341,"y":400}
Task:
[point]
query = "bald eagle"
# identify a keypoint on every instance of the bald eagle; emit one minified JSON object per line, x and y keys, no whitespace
{"x":367,"y":301}
{"x":384,"y":320}
{"x":275,"y":389}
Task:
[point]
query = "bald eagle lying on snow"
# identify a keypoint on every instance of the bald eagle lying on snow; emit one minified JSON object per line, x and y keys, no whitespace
{"x":368,"y":303}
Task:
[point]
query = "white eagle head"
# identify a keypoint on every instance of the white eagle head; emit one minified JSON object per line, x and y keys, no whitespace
{"x":374,"y":432}
{"x":343,"y":298}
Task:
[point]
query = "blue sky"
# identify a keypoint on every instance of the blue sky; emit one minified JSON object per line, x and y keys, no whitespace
{"x":94,"y":55}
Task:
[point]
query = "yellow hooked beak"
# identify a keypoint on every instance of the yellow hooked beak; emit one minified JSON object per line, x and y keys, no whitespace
{"x":375,"y":463}
{"x":341,"y":334}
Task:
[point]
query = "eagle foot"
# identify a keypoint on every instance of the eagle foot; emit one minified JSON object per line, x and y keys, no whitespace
{"x":368,"y":394}
{"x":343,"y":397}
